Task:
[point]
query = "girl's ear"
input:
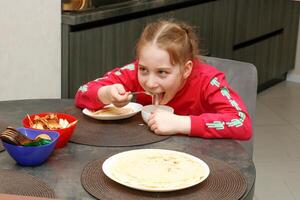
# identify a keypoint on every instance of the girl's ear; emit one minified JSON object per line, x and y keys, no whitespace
{"x":187,"y":69}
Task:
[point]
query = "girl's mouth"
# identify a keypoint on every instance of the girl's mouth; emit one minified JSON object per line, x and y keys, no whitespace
{"x":157,"y":98}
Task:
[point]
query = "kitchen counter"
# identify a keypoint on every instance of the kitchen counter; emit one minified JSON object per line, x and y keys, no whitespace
{"x":130,"y":7}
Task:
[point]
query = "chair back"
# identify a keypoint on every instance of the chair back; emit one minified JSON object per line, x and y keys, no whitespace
{"x":242,"y":77}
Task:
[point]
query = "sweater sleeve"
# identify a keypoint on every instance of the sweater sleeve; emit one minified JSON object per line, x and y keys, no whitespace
{"x":225,"y":114}
{"x":87,"y":94}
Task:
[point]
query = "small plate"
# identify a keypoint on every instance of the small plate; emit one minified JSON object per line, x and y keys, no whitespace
{"x":155,"y":170}
{"x":134,"y":106}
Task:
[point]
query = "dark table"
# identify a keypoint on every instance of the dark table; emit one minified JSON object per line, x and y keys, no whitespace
{"x":63,"y":169}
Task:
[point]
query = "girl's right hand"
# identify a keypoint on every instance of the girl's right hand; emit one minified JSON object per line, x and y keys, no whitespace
{"x":114,"y":94}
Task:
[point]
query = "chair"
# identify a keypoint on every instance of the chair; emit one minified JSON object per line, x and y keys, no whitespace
{"x":242,"y":77}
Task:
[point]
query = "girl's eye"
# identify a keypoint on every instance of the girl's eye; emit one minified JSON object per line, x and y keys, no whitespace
{"x":142,"y":69}
{"x":162,"y":73}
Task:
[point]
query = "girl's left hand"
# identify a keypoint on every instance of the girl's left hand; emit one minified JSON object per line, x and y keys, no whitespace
{"x":165,"y":123}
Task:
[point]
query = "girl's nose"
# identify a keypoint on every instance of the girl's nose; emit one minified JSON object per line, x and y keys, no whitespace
{"x":151,"y":82}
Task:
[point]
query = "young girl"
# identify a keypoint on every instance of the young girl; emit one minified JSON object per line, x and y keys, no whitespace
{"x":167,"y":65}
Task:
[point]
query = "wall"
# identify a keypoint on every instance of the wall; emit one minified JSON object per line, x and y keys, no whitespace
{"x":294,"y":75}
{"x":30,"y":49}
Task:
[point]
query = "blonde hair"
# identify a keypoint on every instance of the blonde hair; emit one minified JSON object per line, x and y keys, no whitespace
{"x":178,"y":39}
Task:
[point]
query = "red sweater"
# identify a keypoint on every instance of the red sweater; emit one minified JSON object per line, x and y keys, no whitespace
{"x":216,"y":111}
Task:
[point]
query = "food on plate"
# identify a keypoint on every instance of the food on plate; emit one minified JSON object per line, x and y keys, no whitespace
{"x":48,"y":122}
{"x":113,"y":111}
{"x":157,"y":169}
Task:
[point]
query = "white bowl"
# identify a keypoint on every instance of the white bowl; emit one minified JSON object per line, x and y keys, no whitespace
{"x":146,"y":110}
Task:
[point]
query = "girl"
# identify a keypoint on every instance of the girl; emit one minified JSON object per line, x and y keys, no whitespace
{"x":167,"y":64}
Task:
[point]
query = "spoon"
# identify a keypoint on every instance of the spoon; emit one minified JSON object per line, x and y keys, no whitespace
{"x":141,"y":92}
{"x":155,"y":97}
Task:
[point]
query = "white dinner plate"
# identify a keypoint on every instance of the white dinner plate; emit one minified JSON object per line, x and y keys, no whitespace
{"x":134,"y":106}
{"x":155,"y":170}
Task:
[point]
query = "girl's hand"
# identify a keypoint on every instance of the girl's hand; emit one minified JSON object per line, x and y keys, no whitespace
{"x":165,"y":123}
{"x":115,"y":94}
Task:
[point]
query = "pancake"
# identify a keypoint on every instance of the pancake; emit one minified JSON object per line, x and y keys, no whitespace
{"x":157,"y":169}
{"x":113,"y":111}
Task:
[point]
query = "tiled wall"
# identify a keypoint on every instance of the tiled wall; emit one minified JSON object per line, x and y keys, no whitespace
{"x":30,"y":49}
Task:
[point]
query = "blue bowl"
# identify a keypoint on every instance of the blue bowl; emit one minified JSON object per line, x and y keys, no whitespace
{"x":32,"y":155}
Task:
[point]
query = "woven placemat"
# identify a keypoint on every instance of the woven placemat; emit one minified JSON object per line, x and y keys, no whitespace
{"x":17,"y":183}
{"x":223,"y":183}
{"x":113,"y":133}
{"x":1,"y":147}
{"x":3,"y":126}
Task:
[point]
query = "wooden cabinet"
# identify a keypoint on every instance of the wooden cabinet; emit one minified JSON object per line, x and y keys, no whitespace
{"x":266,"y":35}
{"x":265,"y":55}
{"x":262,"y":32}
{"x":95,"y":51}
{"x":290,"y":35}
{"x":257,"y":18}
{"x":221,"y":38}
{"x":92,"y":50}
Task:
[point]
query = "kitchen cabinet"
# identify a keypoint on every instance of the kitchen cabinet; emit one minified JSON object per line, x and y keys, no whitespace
{"x":265,"y":55}
{"x":262,"y":32}
{"x":266,"y":35}
{"x":92,"y":50}
{"x":257,"y":18}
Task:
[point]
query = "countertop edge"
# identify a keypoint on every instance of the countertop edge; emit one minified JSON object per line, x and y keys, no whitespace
{"x":123,"y":9}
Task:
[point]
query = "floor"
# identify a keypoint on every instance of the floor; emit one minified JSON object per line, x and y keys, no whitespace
{"x":277,"y":143}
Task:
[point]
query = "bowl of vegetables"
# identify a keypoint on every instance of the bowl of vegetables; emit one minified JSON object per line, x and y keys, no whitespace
{"x":32,"y":151}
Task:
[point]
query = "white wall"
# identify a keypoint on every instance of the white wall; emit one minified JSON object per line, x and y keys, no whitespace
{"x":30,"y":49}
{"x":294,"y":75}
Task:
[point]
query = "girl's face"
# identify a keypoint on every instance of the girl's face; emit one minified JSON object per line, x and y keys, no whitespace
{"x":157,"y":75}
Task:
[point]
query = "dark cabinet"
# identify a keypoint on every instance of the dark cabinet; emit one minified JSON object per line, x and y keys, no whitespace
{"x":265,"y":55}
{"x":256,"y":18}
{"x":266,"y":35}
{"x":94,"y":49}
{"x":262,"y":32}
{"x":290,"y":35}
{"x":223,"y":29}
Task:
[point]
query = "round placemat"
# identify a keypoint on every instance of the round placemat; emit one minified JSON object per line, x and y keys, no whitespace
{"x":1,"y":147}
{"x":112,"y":133}
{"x":17,"y":183}
{"x":3,"y":126}
{"x":223,"y":183}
